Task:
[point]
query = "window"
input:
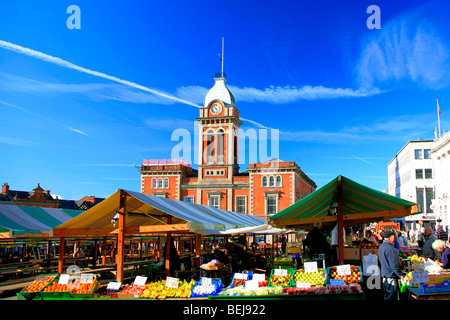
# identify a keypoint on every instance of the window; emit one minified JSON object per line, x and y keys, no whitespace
{"x":210,"y":146}
{"x":154,"y":183}
{"x":264,"y":181}
{"x":214,"y":202}
{"x":428,"y":173}
{"x":419,"y":174}
{"x":160,"y":183}
{"x":271,"y":181}
{"x":429,"y":195}
{"x":271,"y":204}
{"x":241,"y":204}
{"x":189,"y":199}
{"x":220,"y":135}
{"x":420,"y":202}
{"x":427,"y":153}
{"x":279,"y":181}
{"x":418,"y":154}
{"x":166,"y":183}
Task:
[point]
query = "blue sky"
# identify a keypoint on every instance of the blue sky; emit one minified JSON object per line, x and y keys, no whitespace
{"x":80,"y":107}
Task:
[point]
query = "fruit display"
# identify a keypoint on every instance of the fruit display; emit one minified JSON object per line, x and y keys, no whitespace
{"x":39,"y":283}
{"x":417,"y":259}
{"x":208,"y":288}
{"x":242,"y":291}
{"x":372,"y":245}
{"x":84,"y":288}
{"x":240,"y":278}
{"x":158,"y":290}
{"x":131,"y":290}
{"x":57,"y":287}
{"x":280,"y":277}
{"x":354,"y":276}
{"x":313,"y":278}
{"x":283,"y":261}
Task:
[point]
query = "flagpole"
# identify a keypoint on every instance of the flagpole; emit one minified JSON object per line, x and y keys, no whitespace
{"x":439,"y":118}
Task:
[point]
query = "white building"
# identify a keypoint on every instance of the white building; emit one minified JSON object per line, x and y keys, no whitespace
{"x":441,"y":159}
{"x":411,"y":177}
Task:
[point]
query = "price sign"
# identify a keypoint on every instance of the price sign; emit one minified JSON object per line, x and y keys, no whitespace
{"x":280,"y":272}
{"x":241,"y":276}
{"x":140,"y":281}
{"x":206,"y":281}
{"x":419,"y":276}
{"x":259,"y":277}
{"x":87,"y":278}
{"x":114,"y":285}
{"x":172,"y":282}
{"x":310,"y":266}
{"x":64,"y":279}
{"x":304,"y":285}
{"x":337,"y":282}
{"x":251,"y":285}
{"x":344,"y":270}
{"x":417,"y":266}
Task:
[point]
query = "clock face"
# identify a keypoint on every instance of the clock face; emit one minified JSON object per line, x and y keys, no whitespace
{"x":216,"y":108}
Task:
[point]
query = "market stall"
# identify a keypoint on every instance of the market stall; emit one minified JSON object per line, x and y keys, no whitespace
{"x":128,"y":213}
{"x":345,"y":203}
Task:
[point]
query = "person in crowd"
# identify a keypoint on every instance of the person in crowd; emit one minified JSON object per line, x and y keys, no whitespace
{"x":318,"y":244}
{"x":283,"y":244}
{"x":441,"y":246}
{"x":335,"y":244}
{"x":403,"y":241}
{"x":428,"y":250}
{"x":391,"y":269}
{"x":370,"y":236}
{"x":440,"y":233}
{"x":412,"y":235}
{"x":420,"y":237}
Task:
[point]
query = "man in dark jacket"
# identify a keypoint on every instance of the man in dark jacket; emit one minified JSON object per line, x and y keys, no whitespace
{"x":390,"y":266}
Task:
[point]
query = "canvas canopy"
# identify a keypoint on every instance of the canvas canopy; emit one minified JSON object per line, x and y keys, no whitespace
{"x":24,"y":221}
{"x":262,"y":229}
{"x":359,"y":204}
{"x":147,"y":214}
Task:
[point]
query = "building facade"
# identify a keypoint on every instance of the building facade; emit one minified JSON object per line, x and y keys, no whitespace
{"x":411,"y":177}
{"x":441,"y":161}
{"x":262,"y":190}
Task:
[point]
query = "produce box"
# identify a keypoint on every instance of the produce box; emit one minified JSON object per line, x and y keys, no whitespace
{"x":313,"y":278}
{"x":131,"y":292}
{"x":240,"y":278}
{"x":85,"y":290}
{"x":355,"y":276}
{"x":425,"y":288}
{"x":57,"y":291}
{"x":206,"y":288}
{"x":281,"y":277}
{"x":40,"y":283}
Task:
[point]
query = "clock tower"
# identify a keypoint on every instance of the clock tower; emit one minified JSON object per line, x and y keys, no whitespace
{"x":218,"y":133}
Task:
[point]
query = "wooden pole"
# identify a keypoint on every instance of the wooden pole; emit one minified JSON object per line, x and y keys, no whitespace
{"x":49,"y":253}
{"x":62,"y":255}
{"x":168,"y":248}
{"x":340,"y":222}
{"x":104,"y":252}
{"x":121,"y":238}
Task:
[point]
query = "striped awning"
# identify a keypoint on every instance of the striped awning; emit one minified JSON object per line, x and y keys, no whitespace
{"x":16,"y":220}
{"x":151,"y":214}
{"x":360,"y":204}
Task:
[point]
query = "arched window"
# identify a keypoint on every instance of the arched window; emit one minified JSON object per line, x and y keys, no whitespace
{"x":264,"y":181}
{"x":209,"y":146}
{"x":271,"y":181}
{"x":160,"y":183}
{"x":166,"y":183}
{"x":279,"y":181}
{"x":220,"y":145}
{"x":154,"y":183}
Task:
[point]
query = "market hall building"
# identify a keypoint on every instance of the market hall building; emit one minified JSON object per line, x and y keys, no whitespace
{"x":262,"y":190}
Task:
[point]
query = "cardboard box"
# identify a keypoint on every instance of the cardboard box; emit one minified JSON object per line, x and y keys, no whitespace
{"x":352,"y":254}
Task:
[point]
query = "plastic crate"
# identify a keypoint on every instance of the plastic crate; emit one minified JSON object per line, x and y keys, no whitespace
{"x":425,"y":288}
{"x":249,"y":277}
{"x":216,"y":282}
{"x":290,"y":272}
{"x":28,"y":295}
{"x":327,"y":277}
{"x":360,"y":274}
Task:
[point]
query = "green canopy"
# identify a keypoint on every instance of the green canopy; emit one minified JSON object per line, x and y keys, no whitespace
{"x":359,"y":204}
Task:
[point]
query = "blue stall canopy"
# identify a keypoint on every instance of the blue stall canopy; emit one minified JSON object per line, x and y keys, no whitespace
{"x":18,"y":221}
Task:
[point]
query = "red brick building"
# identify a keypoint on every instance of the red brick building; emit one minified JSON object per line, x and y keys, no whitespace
{"x":262,"y":190}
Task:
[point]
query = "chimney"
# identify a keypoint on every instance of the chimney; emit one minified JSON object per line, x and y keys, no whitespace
{"x":5,"y":188}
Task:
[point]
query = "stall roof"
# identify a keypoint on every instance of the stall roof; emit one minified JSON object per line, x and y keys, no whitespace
{"x":149,"y":214}
{"x":19,"y":221}
{"x":360,"y":204}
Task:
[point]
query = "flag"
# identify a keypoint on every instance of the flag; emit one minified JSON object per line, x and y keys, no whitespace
{"x":439,"y":118}
{"x":439,"y":110}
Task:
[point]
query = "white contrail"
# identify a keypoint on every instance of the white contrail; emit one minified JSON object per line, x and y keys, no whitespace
{"x":69,"y":65}
{"x":42,"y":117}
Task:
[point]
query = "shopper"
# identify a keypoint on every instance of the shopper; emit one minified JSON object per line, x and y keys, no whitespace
{"x":440,"y":233}
{"x":317,"y":244}
{"x":391,"y":270}
{"x":428,"y":250}
{"x":420,"y":237}
{"x":283,"y":245}
{"x":370,"y":237}
{"x":335,"y":244}
{"x":441,"y":246}
{"x":412,"y":235}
